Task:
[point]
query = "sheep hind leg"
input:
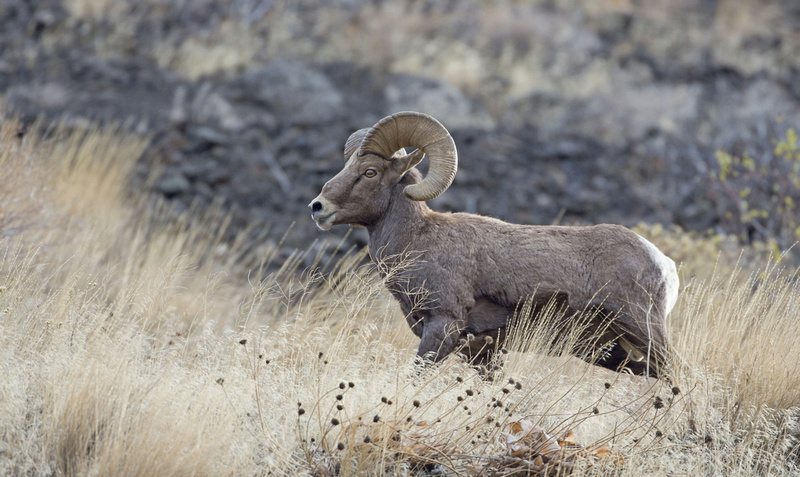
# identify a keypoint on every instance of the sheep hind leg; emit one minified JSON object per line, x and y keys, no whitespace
{"x":618,"y":358}
{"x":481,"y":351}
{"x":642,"y":356}
{"x":605,"y":343}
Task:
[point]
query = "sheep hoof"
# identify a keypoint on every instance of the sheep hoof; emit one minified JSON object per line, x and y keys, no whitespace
{"x":634,"y":354}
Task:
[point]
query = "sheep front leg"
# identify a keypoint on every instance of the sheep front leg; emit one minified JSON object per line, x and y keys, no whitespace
{"x":440,"y":334}
{"x":415,"y":322}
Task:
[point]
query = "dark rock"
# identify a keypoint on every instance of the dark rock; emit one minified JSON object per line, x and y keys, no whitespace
{"x":601,"y":112}
{"x":206,"y":136}
{"x":442,"y":101}
{"x":173,"y":184}
{"x":298,"y":93}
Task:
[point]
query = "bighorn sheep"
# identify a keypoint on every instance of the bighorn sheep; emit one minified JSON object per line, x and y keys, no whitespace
{"x":472,"y":272}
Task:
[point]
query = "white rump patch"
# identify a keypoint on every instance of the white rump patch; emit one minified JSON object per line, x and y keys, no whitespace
{"x":669,"y":274}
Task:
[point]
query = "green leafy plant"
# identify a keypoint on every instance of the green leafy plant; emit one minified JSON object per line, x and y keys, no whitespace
{"x":758,"y":195}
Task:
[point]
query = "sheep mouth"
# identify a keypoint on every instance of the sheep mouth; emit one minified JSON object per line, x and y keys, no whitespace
{"x":324,"y":222}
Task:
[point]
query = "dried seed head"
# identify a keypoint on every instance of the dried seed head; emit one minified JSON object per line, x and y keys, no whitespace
{"x":470,"y":392}
{"x":220,"y":381}
{"x":415,"y":403}
{"x":242,"y":342}
{"x":340,"y":446}
{"x":659,"y":434}
{"x":351,"y":384}
{"x":518,"y":385}
{"x":335,"y":421}
{"x":607,"y":385}
{"x":384,"y":400}
{"x":339,"y":397}
{"x":595,"y":410}
{"x":267,"y":361}
{"x":342,"y":385}
{"x":460,"y":398}
{"x":658,"y":404}
{"x":339,"y":407}
{"x":510,"y":380}
{"x":319,"y":356}
{"x":376,"y":418}
{"x":367,"y":439}
{"x":301,"y":411}
{"x":676,"y":390}
{"x":459,"y":379}
{"x":506,"y":391}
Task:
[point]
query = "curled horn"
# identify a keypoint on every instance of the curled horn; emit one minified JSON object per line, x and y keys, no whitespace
{"x":411,"y":129}
{"x":353,"y":142}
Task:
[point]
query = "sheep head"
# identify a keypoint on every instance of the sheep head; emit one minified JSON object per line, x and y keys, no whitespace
{"x":376,"y":160}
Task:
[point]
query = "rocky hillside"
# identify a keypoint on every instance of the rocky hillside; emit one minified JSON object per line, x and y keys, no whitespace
{"x":562,"y":111}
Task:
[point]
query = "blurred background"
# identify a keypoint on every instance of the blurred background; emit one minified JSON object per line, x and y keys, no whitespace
{"x":676,"y":112}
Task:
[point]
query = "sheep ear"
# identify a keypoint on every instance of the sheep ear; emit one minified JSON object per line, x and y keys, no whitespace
{"x":402,"y":162}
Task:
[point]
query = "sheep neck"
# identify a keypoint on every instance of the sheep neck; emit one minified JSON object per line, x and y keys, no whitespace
{"x":394,"y":231}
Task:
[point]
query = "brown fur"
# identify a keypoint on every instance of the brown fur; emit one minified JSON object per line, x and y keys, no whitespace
{"x":470,"y":273}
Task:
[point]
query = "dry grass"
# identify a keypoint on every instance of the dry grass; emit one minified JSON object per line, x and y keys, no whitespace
{"x":135,"y":345}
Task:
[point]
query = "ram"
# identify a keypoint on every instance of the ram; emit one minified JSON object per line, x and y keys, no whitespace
{"x":459,"y":275}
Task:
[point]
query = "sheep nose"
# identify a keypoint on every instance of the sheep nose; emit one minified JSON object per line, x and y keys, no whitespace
{"x":315,"y":206}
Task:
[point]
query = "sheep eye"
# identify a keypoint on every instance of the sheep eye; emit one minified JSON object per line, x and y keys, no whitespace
{"x":370,"y":173}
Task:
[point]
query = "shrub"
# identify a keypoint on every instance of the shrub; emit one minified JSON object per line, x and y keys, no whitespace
{"x":757,"y":196}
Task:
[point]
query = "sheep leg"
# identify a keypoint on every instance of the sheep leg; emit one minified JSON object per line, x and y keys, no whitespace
{"x":439,"y":337}
{"x":631,"y":349}
{"x":480,"y":348}
{"x":415,"y":322}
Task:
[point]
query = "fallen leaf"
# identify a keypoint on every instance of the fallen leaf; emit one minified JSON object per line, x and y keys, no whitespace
{"x":568,"y":439}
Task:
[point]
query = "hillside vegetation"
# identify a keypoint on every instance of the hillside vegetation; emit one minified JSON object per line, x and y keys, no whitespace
{"x":584,"y":111}
{"x":134,"y":344}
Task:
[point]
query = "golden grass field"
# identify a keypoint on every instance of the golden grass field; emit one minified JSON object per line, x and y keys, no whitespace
{"x":133,"y":342}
